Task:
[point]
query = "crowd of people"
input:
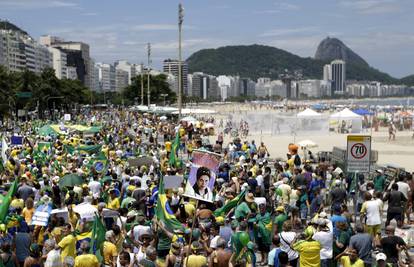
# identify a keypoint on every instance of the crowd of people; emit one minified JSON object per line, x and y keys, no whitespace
{"x":264,"y":212}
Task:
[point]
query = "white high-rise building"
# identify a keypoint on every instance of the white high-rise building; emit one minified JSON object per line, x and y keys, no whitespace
{"x":107,"y":77}
{"x":338,"y":76}
{"x":18,"y":52}
{"x":327,"y":72}
{"x":77,"y":54}
{"x":59,"y":62}
{"x":121,"y":80}
{"x":127,"y":67}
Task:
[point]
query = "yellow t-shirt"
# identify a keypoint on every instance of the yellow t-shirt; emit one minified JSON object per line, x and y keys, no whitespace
{"x":28,"y":214}
{"x":86,"y":260}
{"x":196,"y":261}
{"x":309,"y":253}
{"x":168,"y":146}
{"x":346,"y":262}
{"x":182,"y":132}
{"x":114,"y":204}
{"x":68,"y":246}
{"x":109,"y":251}
{"x":17,"y":203}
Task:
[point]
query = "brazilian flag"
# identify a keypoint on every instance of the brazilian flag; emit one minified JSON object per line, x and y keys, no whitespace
{"x":173,"y":154}
{"x":164,"y":212}
{"x":5,"y":202}
{"x":223,"y":211}
{"x":97,"y":238}
{"x":100,"y":163}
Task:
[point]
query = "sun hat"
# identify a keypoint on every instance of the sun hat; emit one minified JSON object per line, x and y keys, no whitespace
{"x":280,"y":209}
{"x":249,"y":197}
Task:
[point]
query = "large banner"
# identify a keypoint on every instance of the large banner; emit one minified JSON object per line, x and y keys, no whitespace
{"x":202,"y":175}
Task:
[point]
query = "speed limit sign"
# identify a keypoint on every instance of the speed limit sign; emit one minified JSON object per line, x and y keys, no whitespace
{"x":358,"y":153}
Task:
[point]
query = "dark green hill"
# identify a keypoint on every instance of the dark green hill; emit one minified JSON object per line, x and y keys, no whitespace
{"x":256,"y":61}
{"x":409,"y":80}
{"x":5,"y":25}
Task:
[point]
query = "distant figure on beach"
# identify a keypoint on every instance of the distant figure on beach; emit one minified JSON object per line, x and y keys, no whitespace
{"x":391,"y":131}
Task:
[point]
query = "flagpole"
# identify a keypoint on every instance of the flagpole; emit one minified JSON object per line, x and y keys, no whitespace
{"x":191,"y":234}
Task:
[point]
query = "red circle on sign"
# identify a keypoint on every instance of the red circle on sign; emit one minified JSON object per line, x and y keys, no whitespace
{"x":362,"y":150}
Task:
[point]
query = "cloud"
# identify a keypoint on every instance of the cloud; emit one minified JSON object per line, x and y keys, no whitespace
{"x":39,"y":4}
{"x":89,"y":14}
{"x":372,"y":7}
{"x":289,"y":31}
{"x":286,"y":6}
{"x":279,"y":7}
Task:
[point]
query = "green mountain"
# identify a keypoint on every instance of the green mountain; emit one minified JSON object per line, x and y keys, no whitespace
{"x":409,"y":80}
{"x":5,"y":25}
{"x":256,"y":61}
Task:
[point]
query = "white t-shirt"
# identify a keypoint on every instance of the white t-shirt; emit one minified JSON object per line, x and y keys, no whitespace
{"x":213,"y":242}
{"x":403,"y":188}
{"x":139,"y":230}
{"x":326,"y":240}
{"x":53,"y":259}
{"x":286,"y":239}
{"x":373,"y":212}
{"x":259,"y":179}
{"x":95,"y":187}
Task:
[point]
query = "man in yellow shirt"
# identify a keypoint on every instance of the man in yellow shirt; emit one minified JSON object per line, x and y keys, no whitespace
{"x":195,"y":259}
{"x":86,"y":259}
{"x":113,"y":202}
{"x":349,"y":258}
{"x":68,"y":244}
{"x":109,"y":249}
{"x":308,"y":249}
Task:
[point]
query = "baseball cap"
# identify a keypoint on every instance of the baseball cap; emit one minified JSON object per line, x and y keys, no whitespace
{"x":381,"y":257}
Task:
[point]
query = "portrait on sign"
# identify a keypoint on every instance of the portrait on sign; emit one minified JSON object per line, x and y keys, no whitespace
{"x":202,"y":176}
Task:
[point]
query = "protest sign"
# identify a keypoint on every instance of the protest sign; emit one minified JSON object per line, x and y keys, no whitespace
{"x":86,"y":211}
{"x":141,"y":161}
{"x":202,"y":175}
{"x":16,"y":140}
{"x":41,"y":215}
{"x":172,"y":181}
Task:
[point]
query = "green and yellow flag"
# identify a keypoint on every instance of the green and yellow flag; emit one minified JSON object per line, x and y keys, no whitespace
{"x":5,"y":202}
{"x":164,"y":212}
{"x":173,"y":154}
{"x":97,"y":238}
{"x":223,"y":211}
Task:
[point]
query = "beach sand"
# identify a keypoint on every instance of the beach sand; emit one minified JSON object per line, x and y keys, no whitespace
{"x":399,"y":152}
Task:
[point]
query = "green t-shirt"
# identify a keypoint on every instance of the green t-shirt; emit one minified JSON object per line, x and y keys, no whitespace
{"x":379,"y":183}
{"x":164,"y":242}
{"x":127,"y":201}
{"x":279,"y":220}
{"x":242,"y":210}
{"x":343,"y":238}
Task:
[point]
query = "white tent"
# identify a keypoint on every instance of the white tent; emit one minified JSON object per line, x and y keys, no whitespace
{"x":345,"y":114}
{"x":308,"y":113}
{"x":346,"y":121}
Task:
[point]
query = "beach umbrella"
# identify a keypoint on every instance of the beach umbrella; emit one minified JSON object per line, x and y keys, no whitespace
{"x":307,"y":144}
{"x":70,"y":180}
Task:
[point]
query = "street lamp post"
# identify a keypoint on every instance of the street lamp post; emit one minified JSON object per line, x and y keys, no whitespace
{"x":142,"y":84}
{"x":149,"y":74}
{"x":180,"y":23}
{"x":164,"y":95}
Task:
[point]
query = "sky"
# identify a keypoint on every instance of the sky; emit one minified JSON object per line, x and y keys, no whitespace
{"x":380,"y":31}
